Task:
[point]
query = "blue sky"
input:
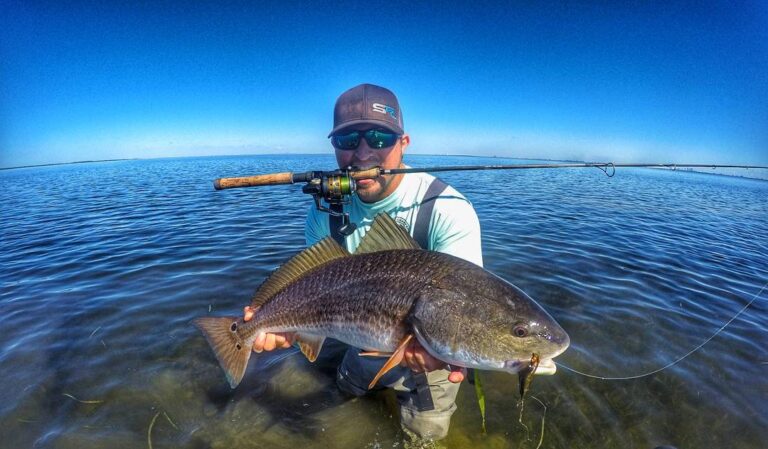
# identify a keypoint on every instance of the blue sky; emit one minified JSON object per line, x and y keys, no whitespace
{"x":644,"y":82}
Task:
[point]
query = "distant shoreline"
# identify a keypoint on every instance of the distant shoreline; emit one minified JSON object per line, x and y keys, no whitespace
{"x":67,"y":163}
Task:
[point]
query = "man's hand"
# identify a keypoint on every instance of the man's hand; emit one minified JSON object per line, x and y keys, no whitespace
{"x":419,"y":360}
{"x":266,"y":341}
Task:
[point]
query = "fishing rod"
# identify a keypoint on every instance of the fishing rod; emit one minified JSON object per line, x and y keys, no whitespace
{"x":336,"y":186}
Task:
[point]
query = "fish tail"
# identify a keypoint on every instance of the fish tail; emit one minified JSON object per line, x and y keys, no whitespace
{"x":230,"y":350}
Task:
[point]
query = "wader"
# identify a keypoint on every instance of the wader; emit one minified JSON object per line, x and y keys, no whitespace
{"x":427,"y":400}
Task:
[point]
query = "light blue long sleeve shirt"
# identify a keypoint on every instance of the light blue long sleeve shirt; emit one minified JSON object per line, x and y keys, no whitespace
{"x":453,"y":228}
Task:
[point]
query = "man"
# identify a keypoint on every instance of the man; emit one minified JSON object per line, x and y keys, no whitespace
{"x":368,"y":132}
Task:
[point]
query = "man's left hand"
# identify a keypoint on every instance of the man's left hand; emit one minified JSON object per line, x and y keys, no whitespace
{"x":419,"y":360}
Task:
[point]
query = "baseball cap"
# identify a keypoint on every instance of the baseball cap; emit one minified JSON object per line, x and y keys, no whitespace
{"x":367,"y":104}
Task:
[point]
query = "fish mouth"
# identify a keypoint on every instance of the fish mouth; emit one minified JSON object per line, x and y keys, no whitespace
{"x":547,"y":367}
{"x":525,"y":375}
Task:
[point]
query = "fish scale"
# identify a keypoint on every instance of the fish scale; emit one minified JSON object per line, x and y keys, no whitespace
{"x":364,"y":298}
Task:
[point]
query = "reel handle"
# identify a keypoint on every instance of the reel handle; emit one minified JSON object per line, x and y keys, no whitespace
{"x":251,"y":181}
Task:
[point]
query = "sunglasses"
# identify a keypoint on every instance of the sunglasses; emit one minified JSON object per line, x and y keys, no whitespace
{"x":376,"y":139}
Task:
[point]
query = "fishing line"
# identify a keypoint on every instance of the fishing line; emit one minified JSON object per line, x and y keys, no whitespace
{"x":757,"y":295}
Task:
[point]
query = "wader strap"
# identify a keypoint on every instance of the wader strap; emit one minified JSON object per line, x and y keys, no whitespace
{"x":423,"y":395}
{"x":420,"y":234}
{"x":421,"y":227}
{"x":334,"y":223}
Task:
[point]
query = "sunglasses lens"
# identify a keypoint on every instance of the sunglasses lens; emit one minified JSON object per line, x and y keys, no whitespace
{"x":347,"y":141}
{"x":380,"y":139}
{"x":375,"y":138}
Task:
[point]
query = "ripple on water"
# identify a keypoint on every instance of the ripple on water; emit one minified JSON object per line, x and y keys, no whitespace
{"x":104,"y":266}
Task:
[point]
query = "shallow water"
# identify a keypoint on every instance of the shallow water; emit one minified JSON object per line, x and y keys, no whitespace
{"x":104,"y":265}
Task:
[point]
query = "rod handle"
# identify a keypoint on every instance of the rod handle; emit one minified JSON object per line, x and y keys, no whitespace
{"x":251,"y":181}
{"x":366,"y":174}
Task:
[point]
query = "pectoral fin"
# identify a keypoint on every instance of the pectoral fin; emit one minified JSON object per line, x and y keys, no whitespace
{"x":393,"y":361}
{"x":310,"y":345}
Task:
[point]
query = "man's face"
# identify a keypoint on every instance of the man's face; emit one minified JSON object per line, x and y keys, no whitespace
{"x":372,"y":190}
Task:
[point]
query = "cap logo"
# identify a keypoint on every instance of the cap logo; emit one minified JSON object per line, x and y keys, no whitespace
{"x":384,"y":109}
{"x":403,"y":224}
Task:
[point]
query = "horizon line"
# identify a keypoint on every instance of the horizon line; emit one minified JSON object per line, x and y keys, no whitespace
{"x":671,"y":165}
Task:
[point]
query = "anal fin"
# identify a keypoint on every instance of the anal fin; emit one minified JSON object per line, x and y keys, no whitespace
{"x":393,"y":361}
{"x":310,"y":345}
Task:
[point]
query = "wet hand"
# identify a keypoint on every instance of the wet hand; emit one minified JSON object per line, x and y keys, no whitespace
{"x":268,"y":341}
{"x":419,"y":360}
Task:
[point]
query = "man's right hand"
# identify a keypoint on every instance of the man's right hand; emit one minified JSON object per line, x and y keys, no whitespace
{"x":268,"y":341}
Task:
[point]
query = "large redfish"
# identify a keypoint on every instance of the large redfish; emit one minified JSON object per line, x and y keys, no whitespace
{"x":389,"y":291}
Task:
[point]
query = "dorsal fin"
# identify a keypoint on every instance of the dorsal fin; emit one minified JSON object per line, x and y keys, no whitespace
{"x":318,"y":254}
{"x":385,"y":234}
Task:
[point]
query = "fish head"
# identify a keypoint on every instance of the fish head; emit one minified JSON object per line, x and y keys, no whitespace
{"x":524,"y":328}
{"x":475,"y":319}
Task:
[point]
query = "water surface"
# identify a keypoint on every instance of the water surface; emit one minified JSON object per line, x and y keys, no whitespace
{"x":104,"y":265}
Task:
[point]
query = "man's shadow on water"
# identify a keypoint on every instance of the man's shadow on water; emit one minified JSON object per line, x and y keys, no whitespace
{"x":294,"y":412}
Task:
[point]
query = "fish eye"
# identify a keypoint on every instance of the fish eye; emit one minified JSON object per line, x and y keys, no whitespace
{"x":520,"y":331}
